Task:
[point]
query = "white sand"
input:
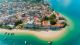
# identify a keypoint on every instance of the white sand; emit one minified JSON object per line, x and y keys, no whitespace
{"x":44,"y":35}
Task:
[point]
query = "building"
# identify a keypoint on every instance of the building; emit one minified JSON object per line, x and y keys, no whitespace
{"x":45,"y":23}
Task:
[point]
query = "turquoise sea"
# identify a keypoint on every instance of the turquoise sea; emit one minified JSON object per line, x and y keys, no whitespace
{"x":71,"y":10}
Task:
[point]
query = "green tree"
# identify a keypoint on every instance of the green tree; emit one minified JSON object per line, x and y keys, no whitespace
{"x":45,"y":18}
{"x":52,"y":22}
{"x":18,"y":22}
{"x":52,"y":17}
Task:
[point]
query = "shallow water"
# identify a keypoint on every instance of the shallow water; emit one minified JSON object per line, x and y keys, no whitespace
{"x":72,"y":37}
{"x":72,"y":11}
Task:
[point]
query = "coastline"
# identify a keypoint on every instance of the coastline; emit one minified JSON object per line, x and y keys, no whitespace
{"x":43,"y":35}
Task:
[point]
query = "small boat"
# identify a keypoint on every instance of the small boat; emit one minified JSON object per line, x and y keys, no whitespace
{"x":12,"y":34}
{"x":25,"y":42}
{"x":50,"y":43}
{"x":8,"y":33}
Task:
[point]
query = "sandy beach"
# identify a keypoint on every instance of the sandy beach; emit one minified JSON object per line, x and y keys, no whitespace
{"x":44,"y":35}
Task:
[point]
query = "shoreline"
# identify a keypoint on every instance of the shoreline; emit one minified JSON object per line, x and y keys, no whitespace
{"x":43,"y":35}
